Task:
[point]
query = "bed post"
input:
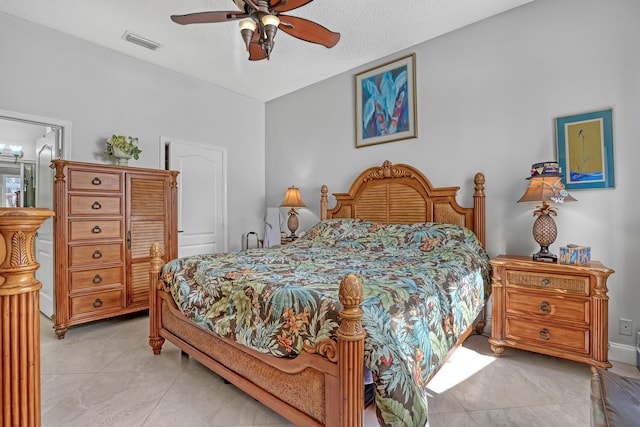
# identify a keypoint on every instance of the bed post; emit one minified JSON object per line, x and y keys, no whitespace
{"x":324,"y":202}
{"x":479,"y":221}
{"x":351,"y":352}
{"x":479,"y":227}
{"x":155,"y":340}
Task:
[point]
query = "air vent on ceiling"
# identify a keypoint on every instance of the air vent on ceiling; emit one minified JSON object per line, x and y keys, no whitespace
{"x":139,"y":40}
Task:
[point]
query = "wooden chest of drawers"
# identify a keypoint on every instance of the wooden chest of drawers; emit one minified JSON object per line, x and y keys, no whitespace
{"x":106,"y":219}
{"x":555,"y":309}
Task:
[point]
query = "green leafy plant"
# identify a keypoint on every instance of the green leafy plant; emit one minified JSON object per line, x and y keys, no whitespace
{"x":126,"y":144}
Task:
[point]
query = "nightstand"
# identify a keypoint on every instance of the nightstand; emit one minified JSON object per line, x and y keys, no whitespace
{"x":555,"y":309}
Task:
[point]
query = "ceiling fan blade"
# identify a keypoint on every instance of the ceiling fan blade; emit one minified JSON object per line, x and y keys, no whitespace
{"x":309,"y":31}
{"x":208,"y":17}
{"x":255,"y":51}
{"x":287,"y":5}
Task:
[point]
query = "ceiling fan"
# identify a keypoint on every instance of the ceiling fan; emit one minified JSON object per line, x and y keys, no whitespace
{"x":260,"y":22}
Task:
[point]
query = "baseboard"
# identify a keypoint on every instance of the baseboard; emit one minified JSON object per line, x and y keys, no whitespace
{"x":622,"y":353}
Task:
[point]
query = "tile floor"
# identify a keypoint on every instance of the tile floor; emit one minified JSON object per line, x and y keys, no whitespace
{"x":104,"y":374}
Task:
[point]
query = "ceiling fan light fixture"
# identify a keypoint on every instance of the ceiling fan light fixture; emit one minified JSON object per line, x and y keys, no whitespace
{"x":270,"y":20}
{"x":248,"y":24}
{"x":270,"y":23}
{"x":247,"y":28}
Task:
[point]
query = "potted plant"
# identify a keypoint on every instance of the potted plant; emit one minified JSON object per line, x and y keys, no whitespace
{"x":122,"y":148}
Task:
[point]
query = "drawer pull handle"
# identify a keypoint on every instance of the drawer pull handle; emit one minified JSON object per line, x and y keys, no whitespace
{"x":96,"y":205}
{"x":96,"y":230}
{"x":97,"y":255}
{"x":97,"y":279}
{"x":545,"y":307}
{"x":97,"y":303}
{"x":96,"y":181}
{"x":544,"y":334}
{"x":545,"y":282}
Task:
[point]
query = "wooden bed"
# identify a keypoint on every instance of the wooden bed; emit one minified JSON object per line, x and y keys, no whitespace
{"x":323,"y":386}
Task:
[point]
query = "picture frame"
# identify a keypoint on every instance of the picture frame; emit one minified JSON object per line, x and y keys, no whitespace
{"x":585,"y":150}
{"x":386,"y":102}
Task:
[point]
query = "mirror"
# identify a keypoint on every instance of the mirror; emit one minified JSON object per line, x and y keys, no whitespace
{"x":17,"y":184}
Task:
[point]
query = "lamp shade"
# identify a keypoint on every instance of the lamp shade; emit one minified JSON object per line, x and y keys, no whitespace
{"x":248,"y":24}
{"x":292,"y":199}
{"x":546,"y":189}
{"x":270,"y":20}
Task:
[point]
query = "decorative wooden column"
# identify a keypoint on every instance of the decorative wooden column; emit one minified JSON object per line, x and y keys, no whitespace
{"x":351,"y":336}
{"x":20,"y":316}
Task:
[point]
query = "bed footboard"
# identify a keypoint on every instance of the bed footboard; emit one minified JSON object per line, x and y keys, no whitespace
{"x":343,"y":399}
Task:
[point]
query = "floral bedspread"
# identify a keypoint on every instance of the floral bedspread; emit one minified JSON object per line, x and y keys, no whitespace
{"x":424,"y":284}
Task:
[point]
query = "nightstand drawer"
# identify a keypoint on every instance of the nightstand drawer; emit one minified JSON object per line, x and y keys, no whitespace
{"x":548,"y":334}
{"x":548,"y":306}
{"x":95,"y":205}
{"x":95,"y":229}
{"x":578,"y":285}
{"x":96,"y":302}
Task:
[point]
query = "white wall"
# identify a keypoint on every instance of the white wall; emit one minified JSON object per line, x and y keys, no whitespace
{"x":488,"y":95}
{"x":102,"y":92}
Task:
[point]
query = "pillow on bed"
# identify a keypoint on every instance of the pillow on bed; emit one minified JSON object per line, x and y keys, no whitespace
{"x":358,"y":234}
{"x":431,"y":236}
{"x":336,"y":232}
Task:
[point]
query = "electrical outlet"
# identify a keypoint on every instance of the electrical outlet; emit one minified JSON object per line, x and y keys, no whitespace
{"x":626,"y":327}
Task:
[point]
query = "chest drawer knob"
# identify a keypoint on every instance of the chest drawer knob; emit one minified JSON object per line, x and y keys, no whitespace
{"x":97,"y":255}
{"x":545,"y":307}
{"x":545,"y":282}
{"x":97,"y":303}
{"x":96,"y":181}
{"x":96,"y":230}
{"x":544,"y":334}
{"x":96,"y":205}
{"x":97,"y":279}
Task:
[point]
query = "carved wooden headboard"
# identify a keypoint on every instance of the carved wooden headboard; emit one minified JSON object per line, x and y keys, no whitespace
{"x":401,"y":194}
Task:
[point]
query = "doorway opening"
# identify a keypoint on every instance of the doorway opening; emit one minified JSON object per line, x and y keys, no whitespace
{"x":27,"y":181}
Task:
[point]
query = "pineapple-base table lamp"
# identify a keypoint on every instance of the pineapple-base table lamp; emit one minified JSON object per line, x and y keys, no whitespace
{"x":545,"y":186}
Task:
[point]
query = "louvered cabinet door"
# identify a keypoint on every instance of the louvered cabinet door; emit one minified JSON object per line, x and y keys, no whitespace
{"x":147,"y":222}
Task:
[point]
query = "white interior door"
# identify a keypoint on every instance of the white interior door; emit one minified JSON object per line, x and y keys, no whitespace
{"x":201,"y":196}
{"x":45,"y":149}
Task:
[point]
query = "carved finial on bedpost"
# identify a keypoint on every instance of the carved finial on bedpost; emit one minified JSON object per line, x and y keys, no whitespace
{"x":324,"y":202}
{"x":156,"y":253}
{"x":479,"y":220}
{"x":351,"y":351}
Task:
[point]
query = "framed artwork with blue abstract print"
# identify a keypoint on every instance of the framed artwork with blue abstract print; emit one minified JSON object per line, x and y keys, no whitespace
{"x":386,"y":103}
{"x":585,"y":150}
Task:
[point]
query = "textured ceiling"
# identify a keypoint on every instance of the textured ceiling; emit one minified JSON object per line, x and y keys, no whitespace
{"x":370,"y":29}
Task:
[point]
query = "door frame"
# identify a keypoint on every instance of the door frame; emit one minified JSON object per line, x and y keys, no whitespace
{"x":163,"y":164}
{"x":63,"y":150}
